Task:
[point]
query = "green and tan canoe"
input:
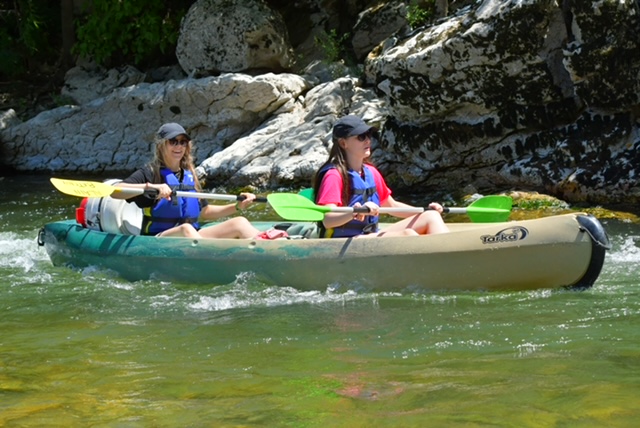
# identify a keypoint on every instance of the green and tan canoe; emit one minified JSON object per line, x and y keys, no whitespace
{"x":560,"y":251}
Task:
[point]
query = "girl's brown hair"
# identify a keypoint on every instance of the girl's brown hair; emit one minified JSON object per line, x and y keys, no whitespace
{"x":337,"y":158}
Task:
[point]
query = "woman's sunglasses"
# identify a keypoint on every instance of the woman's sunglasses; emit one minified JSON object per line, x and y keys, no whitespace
{"x":175,"y":142}
{"x":364,"y":137}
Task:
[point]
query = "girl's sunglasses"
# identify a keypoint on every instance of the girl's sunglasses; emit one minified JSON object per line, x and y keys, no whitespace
{"x":175,"y":142}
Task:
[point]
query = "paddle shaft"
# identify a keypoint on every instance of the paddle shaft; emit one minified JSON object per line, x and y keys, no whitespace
{"x":153,"y":193}
{"x":308,"y":193}
{"x":95,"y":189}
{"x":387,"y":210}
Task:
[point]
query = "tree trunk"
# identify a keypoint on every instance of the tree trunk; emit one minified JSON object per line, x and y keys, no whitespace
{"x":442,"y":8}
{"x":68,"y":33}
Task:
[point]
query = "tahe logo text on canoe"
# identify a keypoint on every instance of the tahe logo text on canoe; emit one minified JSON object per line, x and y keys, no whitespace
{"x":512,"y":234}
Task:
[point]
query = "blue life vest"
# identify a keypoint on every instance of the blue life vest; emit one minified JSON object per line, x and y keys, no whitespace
{"x":362,"y":190}
{"x":167,"y":214}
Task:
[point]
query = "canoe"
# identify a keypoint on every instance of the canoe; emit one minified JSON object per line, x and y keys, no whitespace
{"x":559,"y":251}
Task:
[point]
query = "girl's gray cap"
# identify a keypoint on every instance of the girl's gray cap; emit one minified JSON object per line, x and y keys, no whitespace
{"x":349,"y":126}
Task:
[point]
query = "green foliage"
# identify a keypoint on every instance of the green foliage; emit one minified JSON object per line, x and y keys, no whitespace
{"x":29,"y":31}
{"x":420,"y":12}
{"x":120,"y":31}
{"x":333,"y":45}
{"x":540,"y":203}
{"x":32,"y":26}
{"x":10,"y":53}
{"x":61,"y":100}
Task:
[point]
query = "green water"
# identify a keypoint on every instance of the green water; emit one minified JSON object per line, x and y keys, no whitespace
{"x":88,"y":349}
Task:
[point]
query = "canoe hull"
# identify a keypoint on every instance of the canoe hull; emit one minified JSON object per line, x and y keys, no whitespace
{"x":549,"y":252}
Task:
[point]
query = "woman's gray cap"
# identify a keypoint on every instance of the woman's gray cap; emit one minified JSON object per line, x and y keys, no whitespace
{"x":171,"y":130}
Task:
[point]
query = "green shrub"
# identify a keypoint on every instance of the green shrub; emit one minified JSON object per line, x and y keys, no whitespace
{"x":333,"y":45}
{"x":130,"y":31}
{"x":29,"y":35}
{"x":420,"y":12}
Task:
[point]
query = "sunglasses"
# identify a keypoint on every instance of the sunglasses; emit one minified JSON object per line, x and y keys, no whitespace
{"x":364,"y":137}
{"x":175,"y":142}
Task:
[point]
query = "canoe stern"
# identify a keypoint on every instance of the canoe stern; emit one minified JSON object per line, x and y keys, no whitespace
{"x":600,"y":243}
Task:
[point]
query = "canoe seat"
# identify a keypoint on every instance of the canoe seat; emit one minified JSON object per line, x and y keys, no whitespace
{"x":299,"y":230}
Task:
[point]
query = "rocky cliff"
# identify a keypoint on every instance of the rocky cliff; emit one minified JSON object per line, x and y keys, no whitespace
{"x":498,"y":95}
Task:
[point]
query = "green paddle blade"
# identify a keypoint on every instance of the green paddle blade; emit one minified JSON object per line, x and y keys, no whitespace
{"x":295,"y":207}
{"x":490,"y":209}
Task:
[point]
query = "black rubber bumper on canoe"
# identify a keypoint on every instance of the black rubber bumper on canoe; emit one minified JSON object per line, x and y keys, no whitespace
{"x":599,"y":244}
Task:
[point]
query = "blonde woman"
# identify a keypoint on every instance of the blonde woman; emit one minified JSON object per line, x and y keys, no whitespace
{"x":171,"y":169}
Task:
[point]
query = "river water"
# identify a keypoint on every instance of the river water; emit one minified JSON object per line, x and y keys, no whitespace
{"x":89,"y":349}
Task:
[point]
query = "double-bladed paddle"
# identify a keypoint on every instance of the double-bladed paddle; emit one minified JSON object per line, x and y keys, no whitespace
{"x":95,"y":189}
{"x":290,"y":206}
{"x":488,"y":209}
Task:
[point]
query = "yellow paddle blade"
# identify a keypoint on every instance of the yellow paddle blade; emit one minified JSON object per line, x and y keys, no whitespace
{"x":83,"y":189}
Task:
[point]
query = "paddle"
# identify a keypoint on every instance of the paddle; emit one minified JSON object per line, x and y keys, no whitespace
{"x":488,"y":209}
{"x":95,"y":189}
{"x":308,"y":193}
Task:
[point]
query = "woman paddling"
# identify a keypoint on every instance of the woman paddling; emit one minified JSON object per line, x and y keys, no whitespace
{"x":347,"y":179}
{"x":163,"y":216}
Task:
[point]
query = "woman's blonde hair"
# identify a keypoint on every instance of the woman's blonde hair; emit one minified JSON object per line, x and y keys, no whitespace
{"x":186,"y":163}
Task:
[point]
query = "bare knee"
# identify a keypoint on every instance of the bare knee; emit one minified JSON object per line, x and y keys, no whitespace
{"x":431,"y":216}
{"x":239,"y":222}
{"x":240,"y":227}
{"x":392,"y":233}
{"x":184,"y":229}
{"x":434,"y":222}
{"x":188,"y":230}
